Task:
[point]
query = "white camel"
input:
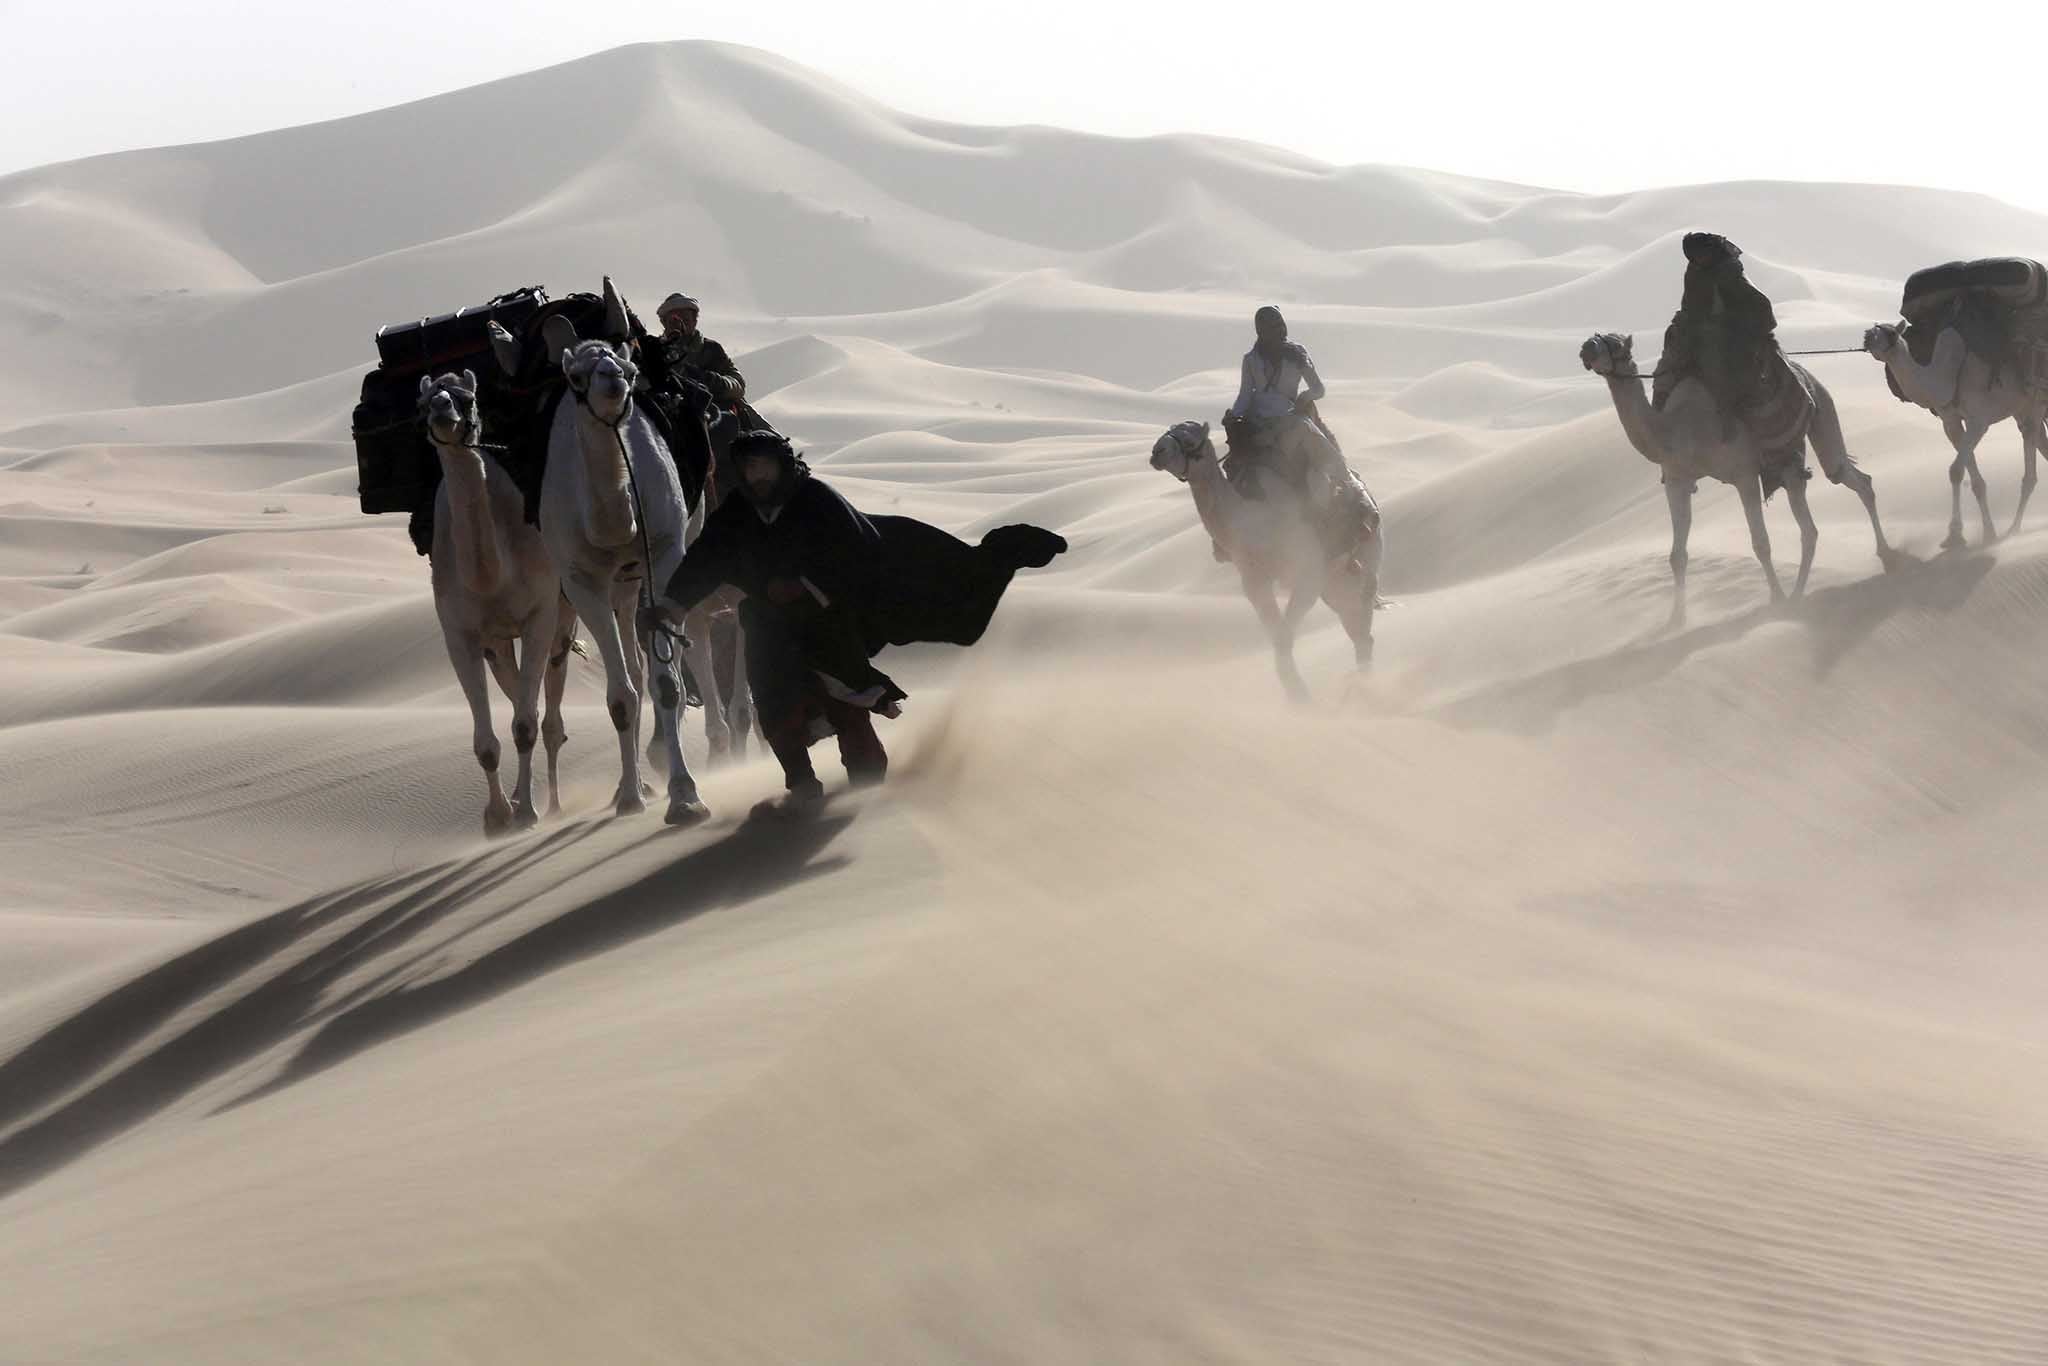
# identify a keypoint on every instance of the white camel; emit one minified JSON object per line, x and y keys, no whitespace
{"x":1960,"y":389}
{"x":1689,"y":440}
{"x":612,"y":512}
{"x":494,"y":588}
{"x":728,"y":715}
{"x":1271,"y":541}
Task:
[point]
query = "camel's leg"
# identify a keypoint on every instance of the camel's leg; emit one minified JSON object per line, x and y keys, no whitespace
{"x":639,"y":669}
{"x":1809,"y":534}
{"x":740,"y":710}
{"x":552,"y":732}
{"x":684,"y":805}
{"x":1354,"y":595}
{"x":656,"y":748}
{"x":466,"y":653}
{"x":1841,"y":468}
{"x":2032,"y":433}
{"x":1751,"y":490}
{"x":1958,"y":438}
{"x":1975,"y":432}
{"x":1678,"y":497}
{"x":593,"y":604}
{"x":1866,"y":490}
{"x":1301,"y":600}
{"x":1349,"y":594}
{"x":504,"y":660}
{"x":1260,"y":591}
{"x":534,"y":642}
{"x":717,"y":736}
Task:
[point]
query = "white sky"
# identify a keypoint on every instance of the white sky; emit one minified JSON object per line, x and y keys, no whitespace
{"x":1593,"y":97}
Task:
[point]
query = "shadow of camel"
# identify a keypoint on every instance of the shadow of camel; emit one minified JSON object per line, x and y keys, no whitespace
{"x":751,"y":861}
{"x":1837,"y":621}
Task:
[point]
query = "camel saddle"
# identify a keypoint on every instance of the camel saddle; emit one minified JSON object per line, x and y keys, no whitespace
{"x":1342,"y":523}
{"x":1778,"y":417}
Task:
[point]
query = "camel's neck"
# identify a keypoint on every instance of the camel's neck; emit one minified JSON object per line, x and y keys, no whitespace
{"x":473,"y":532}
{"x":1214,"y":500}
{"x":607,"y":501}
{"x":1638,"y":419}
{"x":1934,"y":384}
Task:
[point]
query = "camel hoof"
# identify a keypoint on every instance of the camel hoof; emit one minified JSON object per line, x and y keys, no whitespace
{"x":554,"y":808}
{"x":688,"y":813}
{"x":524,"y":817}
{"x":631,"y":805}
{"x":497,"y":820}
{"x":1954,"y":539}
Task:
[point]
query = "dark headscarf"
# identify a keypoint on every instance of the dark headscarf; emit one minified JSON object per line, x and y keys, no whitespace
{"x":750,"y":445}
{"x":1272,"y":332}
{"x":1709,"y":248}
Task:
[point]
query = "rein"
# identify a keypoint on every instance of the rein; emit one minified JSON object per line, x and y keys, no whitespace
{"x":1653,"y":374}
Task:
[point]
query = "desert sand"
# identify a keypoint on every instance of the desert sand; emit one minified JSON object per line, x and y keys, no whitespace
{"x":1565,"y":990}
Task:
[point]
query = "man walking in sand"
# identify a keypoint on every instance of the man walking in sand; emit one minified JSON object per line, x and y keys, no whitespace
{"x":827,"y":589}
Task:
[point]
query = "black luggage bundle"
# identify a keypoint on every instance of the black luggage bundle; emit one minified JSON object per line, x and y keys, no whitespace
{"x":2011,"y":282}
{"x":396,"y":468}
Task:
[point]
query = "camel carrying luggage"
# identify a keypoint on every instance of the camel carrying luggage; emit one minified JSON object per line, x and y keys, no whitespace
{"x":1999,"y":304}
{"x":396,"y":468}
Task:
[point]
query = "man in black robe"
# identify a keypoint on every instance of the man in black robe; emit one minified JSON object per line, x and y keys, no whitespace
{"x":1724,"y":332}
{"x":827,"y":589}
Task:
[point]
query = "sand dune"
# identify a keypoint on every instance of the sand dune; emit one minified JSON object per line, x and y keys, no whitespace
{"x":1567,"y":990}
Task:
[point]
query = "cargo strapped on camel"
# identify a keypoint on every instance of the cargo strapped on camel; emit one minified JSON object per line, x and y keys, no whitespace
{"x":396,"y":467}
{"x":1998,"y":305}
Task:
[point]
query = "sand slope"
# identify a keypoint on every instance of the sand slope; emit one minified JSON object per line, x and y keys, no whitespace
{"x":1566,"y":991}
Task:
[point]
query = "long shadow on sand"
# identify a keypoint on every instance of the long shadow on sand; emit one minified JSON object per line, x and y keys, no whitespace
{"x":751,"y":861}
{"x":1837,"y":621}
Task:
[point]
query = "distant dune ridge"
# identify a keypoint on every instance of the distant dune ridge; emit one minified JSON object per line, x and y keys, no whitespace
{"x":1563,"y":991}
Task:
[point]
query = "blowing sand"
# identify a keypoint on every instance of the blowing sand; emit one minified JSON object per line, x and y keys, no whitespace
{"x":1564,"y":991}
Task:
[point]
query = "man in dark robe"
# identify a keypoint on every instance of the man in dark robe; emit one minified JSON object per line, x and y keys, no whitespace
{"x":827,"y":589}
{"x":1724,"y":333}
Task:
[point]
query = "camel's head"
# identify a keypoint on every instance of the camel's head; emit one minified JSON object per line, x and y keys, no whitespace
{"x":1880,"y":340}
{"x":1609,"y":353}
{"x":1184,"y":445}
{"x":601,"y":377}
{"x":449,"y":406}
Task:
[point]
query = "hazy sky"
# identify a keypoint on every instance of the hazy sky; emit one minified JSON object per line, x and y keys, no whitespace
{"x":1593,"y":96}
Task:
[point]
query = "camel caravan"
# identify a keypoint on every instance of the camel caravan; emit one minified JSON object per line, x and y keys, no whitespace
{"x":560,"y":464}
{"x":628,"y":485}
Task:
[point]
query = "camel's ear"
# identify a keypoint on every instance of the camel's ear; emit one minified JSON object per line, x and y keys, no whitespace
{"x":616,"y":328}
{"x":469,"y":380}
{"x":426,"y":386}
{"x":1205,"y":431}
{"x":567,"y":356}
{"x":1628,"y":339}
